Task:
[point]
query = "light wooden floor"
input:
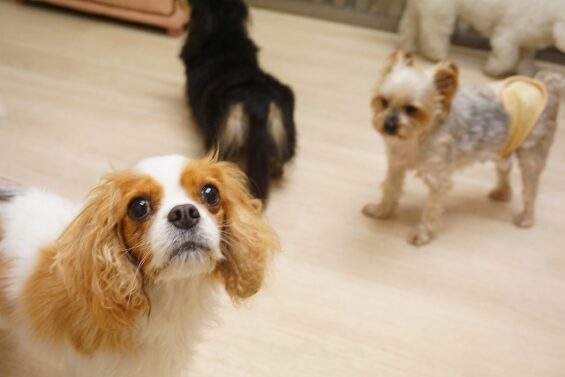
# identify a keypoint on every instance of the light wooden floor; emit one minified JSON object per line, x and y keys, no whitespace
{"x":348,"y":297}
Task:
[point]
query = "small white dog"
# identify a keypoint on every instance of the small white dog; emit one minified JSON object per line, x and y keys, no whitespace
{"x":122,"y":285}
{"x":516,"y":28}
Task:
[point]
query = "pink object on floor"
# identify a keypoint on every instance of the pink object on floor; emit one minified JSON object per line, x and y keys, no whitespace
{"x":172,"y":15}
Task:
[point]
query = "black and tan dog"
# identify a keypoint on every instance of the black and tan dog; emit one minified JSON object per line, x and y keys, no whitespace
{"x":245,"y":112}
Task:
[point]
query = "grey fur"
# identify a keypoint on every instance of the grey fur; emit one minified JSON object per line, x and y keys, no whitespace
{"x":475,"y":129}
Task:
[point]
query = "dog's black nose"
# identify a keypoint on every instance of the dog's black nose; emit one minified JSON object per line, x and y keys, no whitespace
{"x":184,"y":216}
{"x":391,"y":124}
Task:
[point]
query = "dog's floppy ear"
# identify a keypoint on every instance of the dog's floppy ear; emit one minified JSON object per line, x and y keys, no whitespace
{"x":399,"y":58}
{"x":248,"y":242}
{"x":446,"y":81}
{"x":94,"y":261}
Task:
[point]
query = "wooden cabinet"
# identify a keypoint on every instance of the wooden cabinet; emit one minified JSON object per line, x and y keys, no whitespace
{"x":172,"y":15}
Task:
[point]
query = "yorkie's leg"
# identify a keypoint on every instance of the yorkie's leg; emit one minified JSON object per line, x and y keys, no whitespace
{"x":532,"y":162}
{"x":504,"y":56}
{"x":503,"y":191}
{"x":392,"y":189}
{"x":432,"y":216}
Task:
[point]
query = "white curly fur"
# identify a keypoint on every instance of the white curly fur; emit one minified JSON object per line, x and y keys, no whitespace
{"x":516,"y":28}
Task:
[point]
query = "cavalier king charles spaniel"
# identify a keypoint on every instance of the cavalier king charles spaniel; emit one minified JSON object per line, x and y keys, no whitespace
{"x":123,"y":284}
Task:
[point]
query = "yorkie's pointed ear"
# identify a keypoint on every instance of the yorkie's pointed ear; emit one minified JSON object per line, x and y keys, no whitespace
{"x":446,"y":80}
{"x":399,"y":58}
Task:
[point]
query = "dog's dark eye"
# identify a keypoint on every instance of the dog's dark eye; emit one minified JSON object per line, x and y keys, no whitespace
{"x":210,"y":195}
{"x":139,"y":208}
{"x":384,"y":102}
{"x":410,"y":110}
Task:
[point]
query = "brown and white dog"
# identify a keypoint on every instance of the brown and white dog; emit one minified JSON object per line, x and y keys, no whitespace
{"x":123,"y":284}
{"x":435,"y":127}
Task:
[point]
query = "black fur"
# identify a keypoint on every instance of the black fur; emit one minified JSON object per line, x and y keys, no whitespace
{"x":222,"y":70}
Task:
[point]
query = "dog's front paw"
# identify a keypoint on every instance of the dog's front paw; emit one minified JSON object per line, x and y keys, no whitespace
{"x":419,"y":235}
{"x":524,"y":220}
{"x":377,"y":211}
{"x":500,"y":195}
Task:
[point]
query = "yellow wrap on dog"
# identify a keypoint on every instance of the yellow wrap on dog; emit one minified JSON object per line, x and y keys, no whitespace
{"x":525,"y":100}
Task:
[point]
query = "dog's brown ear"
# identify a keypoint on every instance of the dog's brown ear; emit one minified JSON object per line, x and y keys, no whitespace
{"x":398,"y":58}
{"x":446,"y":80}
{"x":248,"y":240}
{"x":94,"y":262}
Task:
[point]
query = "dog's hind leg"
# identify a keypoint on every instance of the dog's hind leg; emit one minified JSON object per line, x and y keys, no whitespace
{"x":233,"y":133}
{"x":532,"y":162}
{"x":503,"y":191}
{"x":260,"y":145}
{"x":532,"y":156}
{"x":278,"y":134}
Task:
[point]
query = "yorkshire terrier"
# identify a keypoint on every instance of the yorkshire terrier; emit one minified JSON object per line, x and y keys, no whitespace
{"x":433,"y":127}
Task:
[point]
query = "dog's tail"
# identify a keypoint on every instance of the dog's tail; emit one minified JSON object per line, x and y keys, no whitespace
{"x":260,"y":146}
{"x":559,"y":35}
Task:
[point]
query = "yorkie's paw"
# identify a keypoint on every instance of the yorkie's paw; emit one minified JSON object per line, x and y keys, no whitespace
{"x":377,"y":211}
{"x":500,"y":195}
{"x":524,"y":220}
{"x":419,"y":235}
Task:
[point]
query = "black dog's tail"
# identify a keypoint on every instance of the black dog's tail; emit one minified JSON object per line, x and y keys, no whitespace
{"x":260,"y":146}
